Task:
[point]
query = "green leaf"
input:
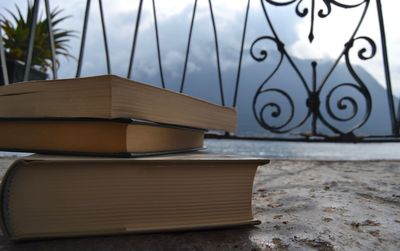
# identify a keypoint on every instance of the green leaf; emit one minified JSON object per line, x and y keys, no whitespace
{"x":16,"y":36}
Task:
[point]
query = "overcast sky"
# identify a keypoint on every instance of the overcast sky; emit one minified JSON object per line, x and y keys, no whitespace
{"x":174,"y":20}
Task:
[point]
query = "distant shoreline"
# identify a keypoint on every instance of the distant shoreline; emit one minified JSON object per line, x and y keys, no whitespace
{"x":294,"y":150}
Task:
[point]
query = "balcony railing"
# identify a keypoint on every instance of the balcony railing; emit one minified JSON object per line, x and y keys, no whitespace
{"x":292,"y":98}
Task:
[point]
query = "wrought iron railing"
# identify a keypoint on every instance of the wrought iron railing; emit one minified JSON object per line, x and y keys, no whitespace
{"x":328,"y":111}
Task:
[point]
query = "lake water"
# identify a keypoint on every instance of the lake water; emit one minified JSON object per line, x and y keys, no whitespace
{"x":298,"y":150}
{"x":305,"y":150}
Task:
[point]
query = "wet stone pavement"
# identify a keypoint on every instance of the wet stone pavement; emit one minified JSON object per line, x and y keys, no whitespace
{"x":302,"y":204}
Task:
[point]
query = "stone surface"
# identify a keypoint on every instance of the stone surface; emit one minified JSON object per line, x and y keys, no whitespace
{"x":303,"y":205}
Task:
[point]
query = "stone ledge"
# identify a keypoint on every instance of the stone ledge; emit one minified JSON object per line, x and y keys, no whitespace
{"x":323,"y":205}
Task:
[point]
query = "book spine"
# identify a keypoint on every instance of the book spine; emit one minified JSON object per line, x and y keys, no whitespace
{"x":5,"y":190}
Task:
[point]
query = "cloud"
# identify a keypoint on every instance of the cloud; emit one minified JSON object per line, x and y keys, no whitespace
{"x":173,"y":63}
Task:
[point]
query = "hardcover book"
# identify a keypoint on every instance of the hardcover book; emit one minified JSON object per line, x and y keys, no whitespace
{"x":61,"y":196}
{"x":96,"y":137}
{"x":111,"y":97}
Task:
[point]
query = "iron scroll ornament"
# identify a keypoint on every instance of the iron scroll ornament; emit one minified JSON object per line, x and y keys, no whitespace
{"x":313,"y":102}
{"x":359,"y":87}
{"x":276,"y":111}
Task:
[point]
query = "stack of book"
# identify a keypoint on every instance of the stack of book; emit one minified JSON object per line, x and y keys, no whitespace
{"x":81,"y":181}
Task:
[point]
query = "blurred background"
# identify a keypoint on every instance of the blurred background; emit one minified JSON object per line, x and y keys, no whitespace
{"x":295,"y":70}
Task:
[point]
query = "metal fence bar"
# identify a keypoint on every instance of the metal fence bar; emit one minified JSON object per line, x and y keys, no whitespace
{"x":3,"y":60}
{"x":83,"y":39}
{"x":51,"y":39}
{"x":103,"y":26}
{"x":135,"y":35}
{"x":241,"y":55}
{"x":221,"y":88}
{"x":158,"y":45}
{"x":188,"y":47}
{"x":395,"y":125}
{"x":31,"y":41}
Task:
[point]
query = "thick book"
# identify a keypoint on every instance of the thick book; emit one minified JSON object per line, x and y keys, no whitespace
{"x":111,"y":97}
{"x":97,"y":137}
{"x":61,"y":196}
